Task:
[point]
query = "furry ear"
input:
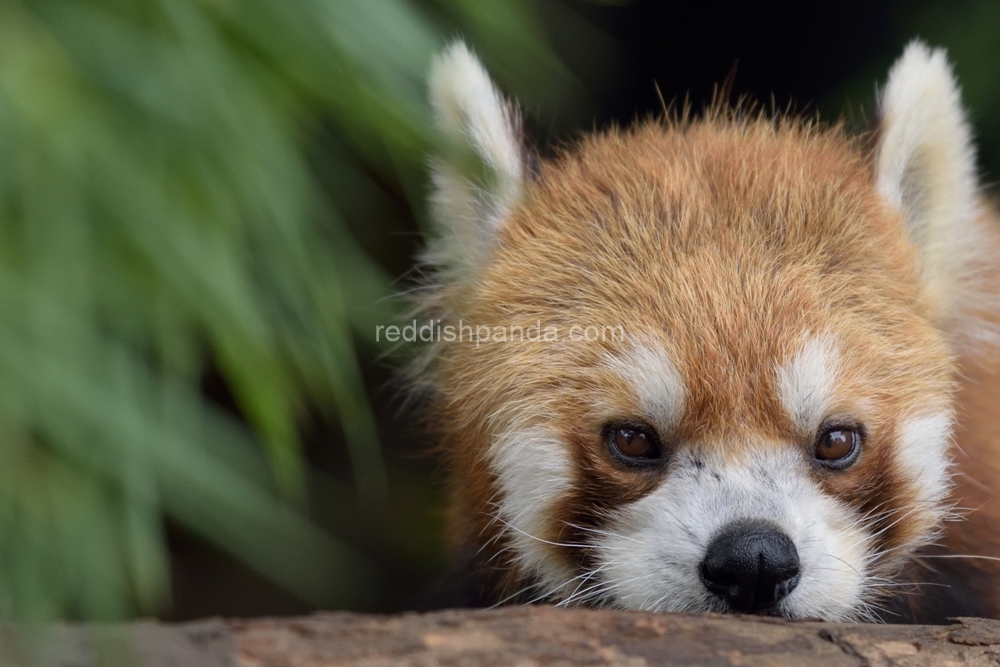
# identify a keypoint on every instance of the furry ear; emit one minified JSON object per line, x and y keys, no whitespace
{"x":926,"y":166}
{"x":479,"y":175}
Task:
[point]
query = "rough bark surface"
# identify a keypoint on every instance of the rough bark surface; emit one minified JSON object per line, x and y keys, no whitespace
{"x":524,"y":636}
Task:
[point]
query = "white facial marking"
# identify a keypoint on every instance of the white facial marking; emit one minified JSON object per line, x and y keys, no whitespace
{"x":650,"y":555}
{"x":806,"y":382}
{"x":533,"y":472}
{"x":654,"y":377}
{"x":923,"y":456}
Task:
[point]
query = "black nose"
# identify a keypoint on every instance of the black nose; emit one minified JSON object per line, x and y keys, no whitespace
{"x":751,"y":565}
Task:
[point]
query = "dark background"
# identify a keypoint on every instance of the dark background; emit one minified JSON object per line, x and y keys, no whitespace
{"x":814,"y":58}
{"x":783,"y":51}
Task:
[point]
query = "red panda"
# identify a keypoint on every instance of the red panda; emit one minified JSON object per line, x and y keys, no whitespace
{"x":730,"y":363}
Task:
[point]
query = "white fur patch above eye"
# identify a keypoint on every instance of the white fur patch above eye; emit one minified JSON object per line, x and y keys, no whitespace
{"x":806,"y":381}
{"x":651,"y":373}
{"x":923,"y":456}
{"x":533,"y":471}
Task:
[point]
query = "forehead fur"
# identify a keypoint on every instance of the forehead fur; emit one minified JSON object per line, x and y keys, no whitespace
{"x":723,"y":241}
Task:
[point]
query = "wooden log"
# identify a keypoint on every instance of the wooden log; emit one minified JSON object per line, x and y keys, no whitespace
{"x":524,"y":636}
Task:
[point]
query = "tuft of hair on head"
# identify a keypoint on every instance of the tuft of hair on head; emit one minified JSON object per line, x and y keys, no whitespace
{"x":925,"y":165}
{"x":479,"y":173}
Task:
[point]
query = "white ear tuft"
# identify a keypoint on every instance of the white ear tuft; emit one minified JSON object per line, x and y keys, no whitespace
{"x":469,"y":205}
{"x":926,"y":162}
{"x":926,"y":166}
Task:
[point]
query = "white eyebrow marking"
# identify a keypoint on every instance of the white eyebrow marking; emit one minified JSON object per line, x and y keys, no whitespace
{"x":656,"y":380}
{"x":806,"y":381}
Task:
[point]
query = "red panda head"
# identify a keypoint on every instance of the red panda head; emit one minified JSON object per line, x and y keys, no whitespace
{"x":701,"y":364}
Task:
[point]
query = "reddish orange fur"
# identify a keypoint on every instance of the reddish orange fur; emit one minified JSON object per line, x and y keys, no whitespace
{"x":969,"y":586}
{"x":723,"y":241}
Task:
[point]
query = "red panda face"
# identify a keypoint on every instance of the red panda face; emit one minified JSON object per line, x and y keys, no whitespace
{"x":711,"y":367}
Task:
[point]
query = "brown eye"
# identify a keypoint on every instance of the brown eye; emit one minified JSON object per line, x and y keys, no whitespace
{"x":838,"y":447}
{"x":636,"y":444}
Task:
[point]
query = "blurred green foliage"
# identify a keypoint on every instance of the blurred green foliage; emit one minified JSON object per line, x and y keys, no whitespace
{"x":159,"y":217}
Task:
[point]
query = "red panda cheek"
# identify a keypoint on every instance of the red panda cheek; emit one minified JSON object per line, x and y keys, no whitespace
{"x":878,"y":493}
{"x":600,"y":487}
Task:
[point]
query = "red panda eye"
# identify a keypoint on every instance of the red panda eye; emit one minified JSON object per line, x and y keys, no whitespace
{"x":634,"y":443}
{"x":838,"y":447}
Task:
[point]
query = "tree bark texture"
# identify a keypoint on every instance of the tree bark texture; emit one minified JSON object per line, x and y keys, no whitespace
{"x":521,"y":636}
